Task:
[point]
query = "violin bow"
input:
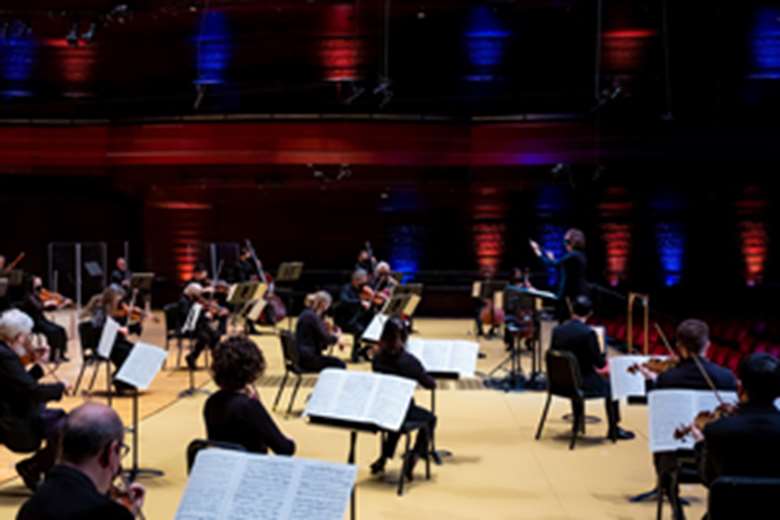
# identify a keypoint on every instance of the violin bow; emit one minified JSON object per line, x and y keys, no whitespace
{"x":696,"y":360}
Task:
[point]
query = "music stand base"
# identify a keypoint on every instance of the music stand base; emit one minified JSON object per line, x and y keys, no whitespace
{"x":439,"y":455}
{"x":193,"y":391}
{"x":135,"y":474}
{"x":589,"y":419}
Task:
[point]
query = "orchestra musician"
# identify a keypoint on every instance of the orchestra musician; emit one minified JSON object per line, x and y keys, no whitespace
{"x":392,"y":358}
{"x":34,"y":306}
{"x":100,"y":307}
{"x":572,"y":269}
{"x":200,"y":275}
{"x":692,"y":341}
{"x":244,"y":269}
{"x":2,"y":264}
{"x":206,"y":328}
{"x":746,"y":443}
{"x":354,"y":312}
{"x":81,"y":485}
{"x":577,"y":337}
{"x":517,"y":316}
{"x":383,"y":280}
{"x":235,"y":413}
{"x":25,"y":422}
{"x":313,"y":336}
{"x":121,"y":275}
{"x":365,"y":261}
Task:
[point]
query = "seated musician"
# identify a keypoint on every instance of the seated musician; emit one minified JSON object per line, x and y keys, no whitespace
{"x":518,"y":315}
{"x":313,"y":336}
{"x":392,"y":358}
{"x":235,"y":414}
{"x":79,"y":486}
{"x":200,"y":275}
{"x":577,"y":337}
{"x":745,"y":444}
{"x":354,"y":311}
{"x":121,"y":275}
{"x":365,"y":261}
{"x":24,"y":419}
{"x":35,"y":307}
{"x":383,"y":279}
{"x":692,"y":341}
{"x":206,"y":333}
{"x":244,"y":270}
{"x":108,"y":304}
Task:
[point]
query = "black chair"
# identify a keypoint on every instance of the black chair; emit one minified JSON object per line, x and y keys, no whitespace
{"x":743,"y":497}
{"x":564,"y":380}
{"x":407,"y":428}
{"x":89,"y":337}
{"x":291,"y":366}
{"x":683,"y":469}
{"x":173,"y":324}
{"x":197,"y":445}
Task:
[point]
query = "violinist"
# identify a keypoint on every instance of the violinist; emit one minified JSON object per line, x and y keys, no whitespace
{"x":312,"y":335}
{"x":383,"y":280}
{"x":235,"y":413}
{"x":746,"y":443}
{"x":34,"y":306}
{"x":577,"y":337}
{"x":81,"y":485}
{"x":692,"y":341}
{"x":121,"y":275}
{"x":25,"y":422}
{"x":206,"y":328}
{"x":354,"y":312}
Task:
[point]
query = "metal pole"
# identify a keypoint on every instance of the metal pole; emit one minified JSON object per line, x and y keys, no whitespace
{"x":78,"y":274}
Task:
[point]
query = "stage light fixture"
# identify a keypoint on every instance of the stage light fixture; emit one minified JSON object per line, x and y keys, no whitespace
{"x":89,"y":35}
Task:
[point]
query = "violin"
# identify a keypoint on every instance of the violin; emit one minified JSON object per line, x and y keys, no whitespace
{"x":52,"y":298}
{"x":704,"y":418}
{"x":124,"y":495}
{"x":655,"y":365}
{"x":372,"y":297}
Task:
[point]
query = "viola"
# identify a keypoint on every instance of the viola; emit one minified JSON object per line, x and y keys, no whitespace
{"x":706,"y":417}
{"x":52,"y":298}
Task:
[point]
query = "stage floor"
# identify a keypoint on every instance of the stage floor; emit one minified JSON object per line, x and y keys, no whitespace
{"x":498,"y":470}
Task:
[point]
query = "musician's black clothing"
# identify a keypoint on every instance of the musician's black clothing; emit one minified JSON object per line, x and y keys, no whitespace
{"x":204,"y":334}
{"x":686,"y":375}
{"x":404,"y":364}
{"x":239,"y":419}
{"x":745,"y":444}
{"x":572,"y":271}
{"x":24,"y":419}
{"x":351,"y":316}
{"x":56,"y":336}
{"x":121,"y":278}
{"x":312,"y":338}
{"x":581,"y":340}
{"x":121,"y":348}
{"x":68,"y":494}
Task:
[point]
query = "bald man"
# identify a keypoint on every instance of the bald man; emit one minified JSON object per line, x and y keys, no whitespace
{"x":77,"y":488}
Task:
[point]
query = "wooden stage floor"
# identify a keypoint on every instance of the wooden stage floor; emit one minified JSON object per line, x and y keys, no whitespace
{"x":498,"y":471}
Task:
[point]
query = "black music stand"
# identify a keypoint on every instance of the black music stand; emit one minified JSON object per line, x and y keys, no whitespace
{"x":136,"y":471}
{"x":439,"y":455}
{"x":289,"y":273}
{"x":354,"y":428}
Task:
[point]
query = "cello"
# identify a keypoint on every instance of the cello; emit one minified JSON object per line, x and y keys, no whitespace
{"x":274,"y":311}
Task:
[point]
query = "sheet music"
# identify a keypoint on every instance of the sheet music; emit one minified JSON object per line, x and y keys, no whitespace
{"x":192,"y":318}
{"x":362,"y":397}
{"x":671,"y":409}
{"x":476,"y":289}
{"x":107,"y":338}
{"x":546,"y":295}
{"x":142,"y":365}
{"x":622,"y":382}
{"x":374,"y":330}
{"x":601,"y":334}
{"x":446,"y":356}
{"x":256,"y":309}
{"x":232,"y":485}
{"x":411,"y":304}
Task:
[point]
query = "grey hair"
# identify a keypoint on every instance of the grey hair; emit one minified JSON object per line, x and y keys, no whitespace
{"x":193,"y":289}
{"x":359,"y":273}
{"x":321,"y":298}
{"x":382,"y":266}
{"x":14,"y":322}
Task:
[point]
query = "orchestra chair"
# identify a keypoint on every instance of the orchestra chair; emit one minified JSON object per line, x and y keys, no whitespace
{"x":173,"y":324}
{"x":685,"y":470}
{"x":407,"y":429}
{"x":742,"y":497}
{"x":291,"y":366}
{"x":197,"y":445}
{"x":89,"y":337}
{"x":564,"y":380}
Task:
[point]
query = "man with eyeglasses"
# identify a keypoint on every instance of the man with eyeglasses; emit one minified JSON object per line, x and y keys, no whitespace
{"x":78,"y":487}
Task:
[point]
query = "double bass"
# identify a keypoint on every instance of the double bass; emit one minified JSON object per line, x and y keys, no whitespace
{"x":274,"y":311}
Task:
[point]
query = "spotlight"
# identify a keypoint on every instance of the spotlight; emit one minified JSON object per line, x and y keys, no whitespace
{"x":73,"y":35}
{"x":421,"y":13}
{"x":383,"y":89}
{"x":345,"y":172}
{"x":559,"y":168}
{"x":357,"y":91}
{"x":89,"y":35}
{"x":200,"y":93}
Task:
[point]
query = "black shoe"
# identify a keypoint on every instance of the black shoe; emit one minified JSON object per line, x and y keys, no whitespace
{"x":378,"y":466}
{"x":30,"y":475}
{"x":411,"y":462}
{"x":621,"y":434}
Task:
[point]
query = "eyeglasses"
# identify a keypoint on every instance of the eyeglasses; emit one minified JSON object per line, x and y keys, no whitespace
{"x":124,"y":450}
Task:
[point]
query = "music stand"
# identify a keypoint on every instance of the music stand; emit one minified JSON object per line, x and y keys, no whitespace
{"x":289,"y":273}
{"x":15,"y":277}
{"x":438,"y":455}
{"x":142,"y":281}
{"x":93,"y":269}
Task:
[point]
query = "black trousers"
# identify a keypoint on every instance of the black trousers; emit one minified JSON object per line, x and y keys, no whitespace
{"x":596,"y":386}
{"x":52,"y":423}
{"x":314,"y":362}
{"x":415,"y":416}
{"x":205,"y":336}
{"x":55,"y":335}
